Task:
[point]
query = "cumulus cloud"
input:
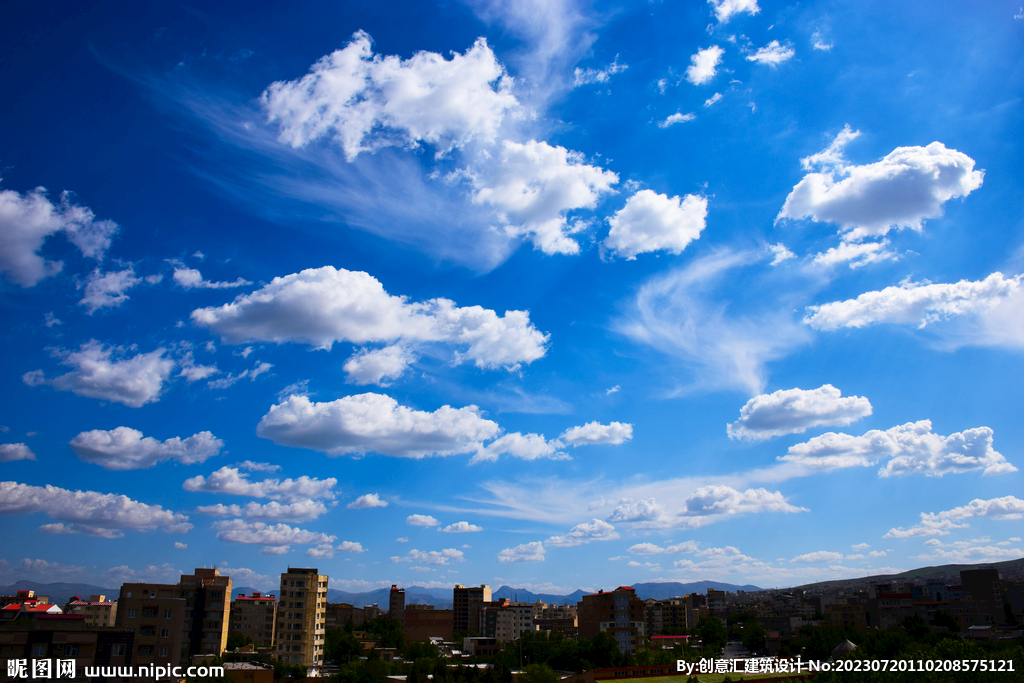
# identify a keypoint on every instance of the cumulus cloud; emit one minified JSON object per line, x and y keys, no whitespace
{"x":939,"y":523}
{"x":596,"y":433}
{"x":251,"y":466}
{"x":421,"y":520}
{"x":527,"y":552}
{"x":107,"y":290}
{"x":522,"y":446}
{"x":704,"y":65}
{"x":230,"y":481}
{"x":656,"y":222}
{"x":988,"y":312}
{"x":10,"y":452}
{"x":819,"y":556}
{"x":772,"y":54}
{"x":367,"y":500}
{"x":87,"y":512}
{"x":855,"y":254}
{"x":322,"y":306}
{"x":727,"y":9}
{"x":966,"y":552}
{"x":594,"y":530}
{"x":713,"y":503}
{"x":106,"y":373}
{"x":375,"y":423}
{"x":678,"y":117}
{"x":301,"y":510}
{"x":363,"y":102}
{"x":911,"y":448}
{"x":432,"y":557}
{"x":461,"y":528}
{"x":190,"y":278}
{"x":906,"y":187}
{"x":375,"y":366}
{"x":588,"y":76}
{"x":780,"y":253}
{"x":351,"y":547}
{"x":268,"y":535}
{"x":27,"y":220}
{"x":629,"y":510}
{"x":794,"y":411}
{"x":533,"y":185}
{"x":675,"y":313}
{"x":125,"y":448}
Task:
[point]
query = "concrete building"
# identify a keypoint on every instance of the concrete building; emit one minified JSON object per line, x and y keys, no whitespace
{"x":512,"y":619}
{"x":620,"y":613}
{"x":64,"y":636}
{"x":423,"y":622}
{"x":467,"y":604}
{"x":985,"y":586}
{"x":254,"y":616}
{"x":339,"y":614}
{"x":301,"y":617}
{"x":396,"y":605}
{"x":156,"y":613}
{"x":97,"y":610}
{"x":210,"y":596}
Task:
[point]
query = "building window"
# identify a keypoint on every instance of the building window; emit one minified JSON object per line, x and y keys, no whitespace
{"x":132,"y":613}
{"x":145,"y":650}
{"x":117,"y":650}
{"x":165,"y":633}
{"x":39,"y":650}
{"x":167,"y":614}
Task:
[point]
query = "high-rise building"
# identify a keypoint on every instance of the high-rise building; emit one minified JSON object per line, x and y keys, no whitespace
{"x":619,"y":613}
{"x":984,"y":586}
{"x":396,"y":605}
{"x":210,"y":595}
{"x":466,"y":606}
{"x":254,"y":616}
{"x":301,"y":615}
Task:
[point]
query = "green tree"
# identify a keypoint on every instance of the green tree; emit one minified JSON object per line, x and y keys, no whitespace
{"x":341,"y":646}
{"x":539,"y":673}
{"x":712,"y":634}
{"x":237,"y":640}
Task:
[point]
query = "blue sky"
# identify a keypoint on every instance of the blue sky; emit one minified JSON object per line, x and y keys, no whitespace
{"x":550,"y":294}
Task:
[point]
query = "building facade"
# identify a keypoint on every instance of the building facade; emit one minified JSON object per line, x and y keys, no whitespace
{"x":97,"y":610}
{"x":301,"y":617}
{"x":619,"y":613}
{"x":254,"y":616}
{"x":467,"y":603}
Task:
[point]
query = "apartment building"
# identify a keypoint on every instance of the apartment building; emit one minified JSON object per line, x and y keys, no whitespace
{"x":467,"y":603}
{"x":301,"y":617}
{"x":254,"y":616}
{"x":97,"y":610}
{"x":620,"y":613}
{"x":396,"y":605}
{"x":210,"y":596}
{"x":156,"y":613}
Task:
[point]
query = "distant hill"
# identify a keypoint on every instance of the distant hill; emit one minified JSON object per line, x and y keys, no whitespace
{"x":1012,"y":570}
{"x":439,"y":598}
{"x":59,"y":593}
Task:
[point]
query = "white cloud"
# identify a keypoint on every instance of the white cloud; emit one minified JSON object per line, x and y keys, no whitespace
{"x":351,"y":547}
{"x":704,"y":65}
{"x":190,"y":278}
{"x":676,"y":314}
{"x":421,"y":520}
{"x":323,"y":551}
{"x":656,"y":222}
{"x":818,"y":41}
{"x":794,"y":411}
{"x":230,"y":380}
{"x":903,"y":189}
{"x":678,"y":117}
{"x":653,"y":549}
{"x":522,"y":446}
{"x":324,"y":305}
{"x":716,"y":502}
{"x":26,"y":221}
{"x":877,"y":553}
{"x":861,"y":546}
{"x":594,"y":530}
{"x":856,"y":254}
{"x":939,"y":523}
{"x":300,"y":510}
{"x":596,"y":433}
{"x":367,"y":500}
{"x":726,"y":9}
{"x":125,"y":448}
{"x":275,"y":550}
{"x":911,"y":448}
{"x":965,"y":553}
{"x":432,"y":557}
{"x":105,"y":373}
{"x":461,"y":528}
{"x":588,"y":76}
{"x":713,"y":99}
{"x":819,"y":556}
{"x":363,"y":102}
{"x":269,"y":535}
{"x":988,"y":312}
{"x":88,"y":512}
{"x":780,"y":253}
{"x":772,"y":54}
{"x":178,"y":545}
{"x":533,"y":185}
{"x":193,"y":372}
{"x":527,"y":552}
{"x":230,"y":481}
{"x":9,"y":452}
{"x":105,"y":290}
{"x":375,"y":423}
{"x":374,"y":366}
{"x":251,"y":466}
{"x":629,"y":510}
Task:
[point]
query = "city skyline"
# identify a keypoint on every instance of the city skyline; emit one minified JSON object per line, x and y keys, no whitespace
{"x":555,"y":295}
